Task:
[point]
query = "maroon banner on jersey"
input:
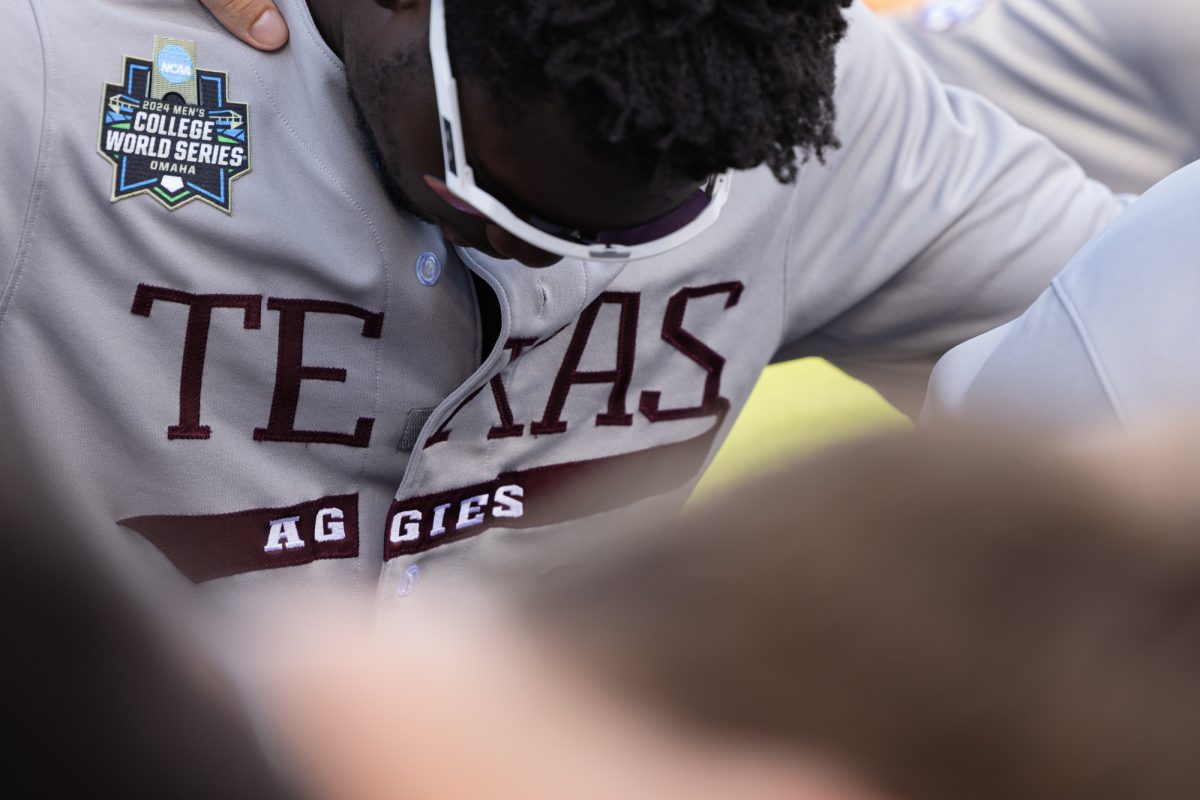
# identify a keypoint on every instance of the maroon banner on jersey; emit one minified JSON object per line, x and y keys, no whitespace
{"x":550,"y":495}
{"x":205,"y":548}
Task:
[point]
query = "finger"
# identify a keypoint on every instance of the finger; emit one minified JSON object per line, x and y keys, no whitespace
{"x":255,"y":22}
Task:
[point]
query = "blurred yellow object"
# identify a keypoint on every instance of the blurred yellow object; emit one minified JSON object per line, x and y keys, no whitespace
{"x":796,"y":409}
{"x":892,"y":6}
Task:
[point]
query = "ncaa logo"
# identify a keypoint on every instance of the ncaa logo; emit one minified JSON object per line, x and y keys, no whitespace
{"x":939,"y":16}
{"x":175,"y":64}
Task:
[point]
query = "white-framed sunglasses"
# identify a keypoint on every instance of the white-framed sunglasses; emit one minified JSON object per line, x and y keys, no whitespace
{"x":644,"y":241}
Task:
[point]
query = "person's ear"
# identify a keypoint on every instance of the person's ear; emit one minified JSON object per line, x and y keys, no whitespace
{"x":256,"y":22}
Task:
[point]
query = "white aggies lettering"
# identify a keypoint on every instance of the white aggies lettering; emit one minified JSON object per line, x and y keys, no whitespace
{"x":284,"y":533}
{"x":507,"y":503}
{"x":331,"y":525}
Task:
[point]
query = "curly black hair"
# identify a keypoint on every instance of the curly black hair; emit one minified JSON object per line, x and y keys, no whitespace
{"x":666,"y":87}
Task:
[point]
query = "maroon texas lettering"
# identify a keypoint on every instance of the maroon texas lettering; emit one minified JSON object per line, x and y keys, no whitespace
{"x":674,"y":334}
{"x":508,"y":426}
{"x":620,"y":376}
{"x":291,"y":372}
{"x":569,"y":375}
{"x":195,"y":345}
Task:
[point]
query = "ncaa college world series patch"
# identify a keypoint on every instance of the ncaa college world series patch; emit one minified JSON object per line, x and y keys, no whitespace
{"x":172,"y":132}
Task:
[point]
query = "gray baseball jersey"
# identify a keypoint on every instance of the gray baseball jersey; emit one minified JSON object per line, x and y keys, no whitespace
{"x":1111,"y":341}
{"x":1112,"y":82}
{"x":241,"y":364}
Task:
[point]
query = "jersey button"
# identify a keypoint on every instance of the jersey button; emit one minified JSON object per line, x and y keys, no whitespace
{"x":408,"y":583}
{"x":429,"y":269}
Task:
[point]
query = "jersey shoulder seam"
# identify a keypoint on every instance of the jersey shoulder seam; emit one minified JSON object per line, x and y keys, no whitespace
{"x":8,"y":289}
{"x":1094,"y":360}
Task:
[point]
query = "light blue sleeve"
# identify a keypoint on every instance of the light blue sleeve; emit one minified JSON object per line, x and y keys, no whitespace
{"x":1036,"y":373}
{"x":22,"y":65}
{"x":1116,"y":337}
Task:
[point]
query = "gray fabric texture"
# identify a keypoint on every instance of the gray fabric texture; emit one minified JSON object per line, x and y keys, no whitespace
{"x":1112,"y":82}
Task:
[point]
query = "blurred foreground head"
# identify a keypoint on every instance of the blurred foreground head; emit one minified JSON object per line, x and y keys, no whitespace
{"x":945,"y":618}
{"x":904,"y":619}
{"x":100,"y":700}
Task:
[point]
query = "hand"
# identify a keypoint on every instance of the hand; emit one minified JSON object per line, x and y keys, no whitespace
{"x":255,"y":22}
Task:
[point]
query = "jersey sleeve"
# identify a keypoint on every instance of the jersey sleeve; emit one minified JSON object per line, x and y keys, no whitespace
{"x":1112,"y":340}
{"x":938,"y":218}
{"x":1037,"y":373}
{"x":22,"y":65}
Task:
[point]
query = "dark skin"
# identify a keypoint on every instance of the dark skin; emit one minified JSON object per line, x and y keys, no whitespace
{"x":522,"y":161}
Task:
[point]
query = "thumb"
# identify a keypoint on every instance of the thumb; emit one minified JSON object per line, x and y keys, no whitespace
{"x":255,"y":22}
